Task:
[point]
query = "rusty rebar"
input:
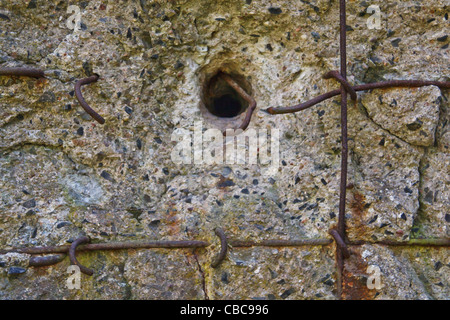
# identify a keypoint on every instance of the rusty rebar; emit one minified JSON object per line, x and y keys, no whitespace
{"x":73,"y":258}
{"x":340,"y":255}
{"x":340,"y":243}
{"x":251,"y":102}
{"x":235,"y":243}
{"x":279,"y":243}
{"x":223,"y":248}
{"x":145,"y":244}
{"x":361,"y":87}
{"x":22,"y":71}
{"x":438,"y":242}
{"x":81,"y":100}
{"x":336,"y":75}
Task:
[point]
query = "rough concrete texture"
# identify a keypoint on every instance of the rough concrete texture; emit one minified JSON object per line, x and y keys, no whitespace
{"x":62,"y":175}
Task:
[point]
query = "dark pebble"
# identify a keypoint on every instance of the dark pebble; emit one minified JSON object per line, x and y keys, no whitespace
{"x":437,"y":265}
{"x":31,"y":4}
{"x":373,"y":219}
{"x":165,"y":171}
{"x":429,"y":197}
{"x":4,"y":17}
{"x":442,"y":39}
{"x":245,"y":191}
{"x":63,"y":224}
{"x":224,"y":278}
{"x":315,"y":35}
{"x":447,"y":217}
{"x":29,"y":204}
{"x":255,"y":182}
{"x":154,"y":224}
{"x":16,"y":270}
{"x":323,"y":181}
{"x":226,"y":183}
{"x":269,"y":47}
{"x":129,"y":33}
{"x":139,"y":144}
{"x":154,"y":56}
{"x":106,"y":176}
{"x":178,"y":65}
{"x":414,"y":126}
{"x":396,"y":42}
{"x":47,"y":96}
{"x":30,"y":213}
{"x":128,"y":110}
{"x":287,"y":293}
{"x":403,"y":216}
{"x":80,"y":131}
{"x":274,"y":10}
{"x":157,"y":140}
{"x":332,"y":215}
{"x":408,"y":190}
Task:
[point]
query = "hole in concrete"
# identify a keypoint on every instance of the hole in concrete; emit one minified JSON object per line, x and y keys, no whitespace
{"x":223,"y":101}
{"x":226,"y":106}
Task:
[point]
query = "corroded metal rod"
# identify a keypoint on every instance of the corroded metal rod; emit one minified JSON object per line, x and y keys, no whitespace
{"x":251,"y":102}
{"x":81,"y":100}
{"x":361,"y":87}
{"x":22,"y":71}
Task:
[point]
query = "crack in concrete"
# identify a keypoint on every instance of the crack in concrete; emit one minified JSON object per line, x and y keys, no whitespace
{"x":202,"y":273}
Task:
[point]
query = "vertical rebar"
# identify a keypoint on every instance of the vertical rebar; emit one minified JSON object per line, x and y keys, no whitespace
{"x":344,"y":151}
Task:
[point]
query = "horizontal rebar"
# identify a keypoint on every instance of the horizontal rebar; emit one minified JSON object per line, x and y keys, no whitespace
{"x":442,"y":242}
{"x":179,"y":244}
{"x":22,"y":71}
{"x":361,"y":87}
{"x":280,"y":243}
{"x":112,"y":246}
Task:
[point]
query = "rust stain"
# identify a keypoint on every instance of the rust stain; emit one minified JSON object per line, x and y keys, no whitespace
{"x":354,"y":278}
{"x":357,"y":204}
{"x":358,"y":207}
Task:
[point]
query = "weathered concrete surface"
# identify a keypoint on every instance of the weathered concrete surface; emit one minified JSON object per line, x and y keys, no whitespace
{"x":62,"y":175}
